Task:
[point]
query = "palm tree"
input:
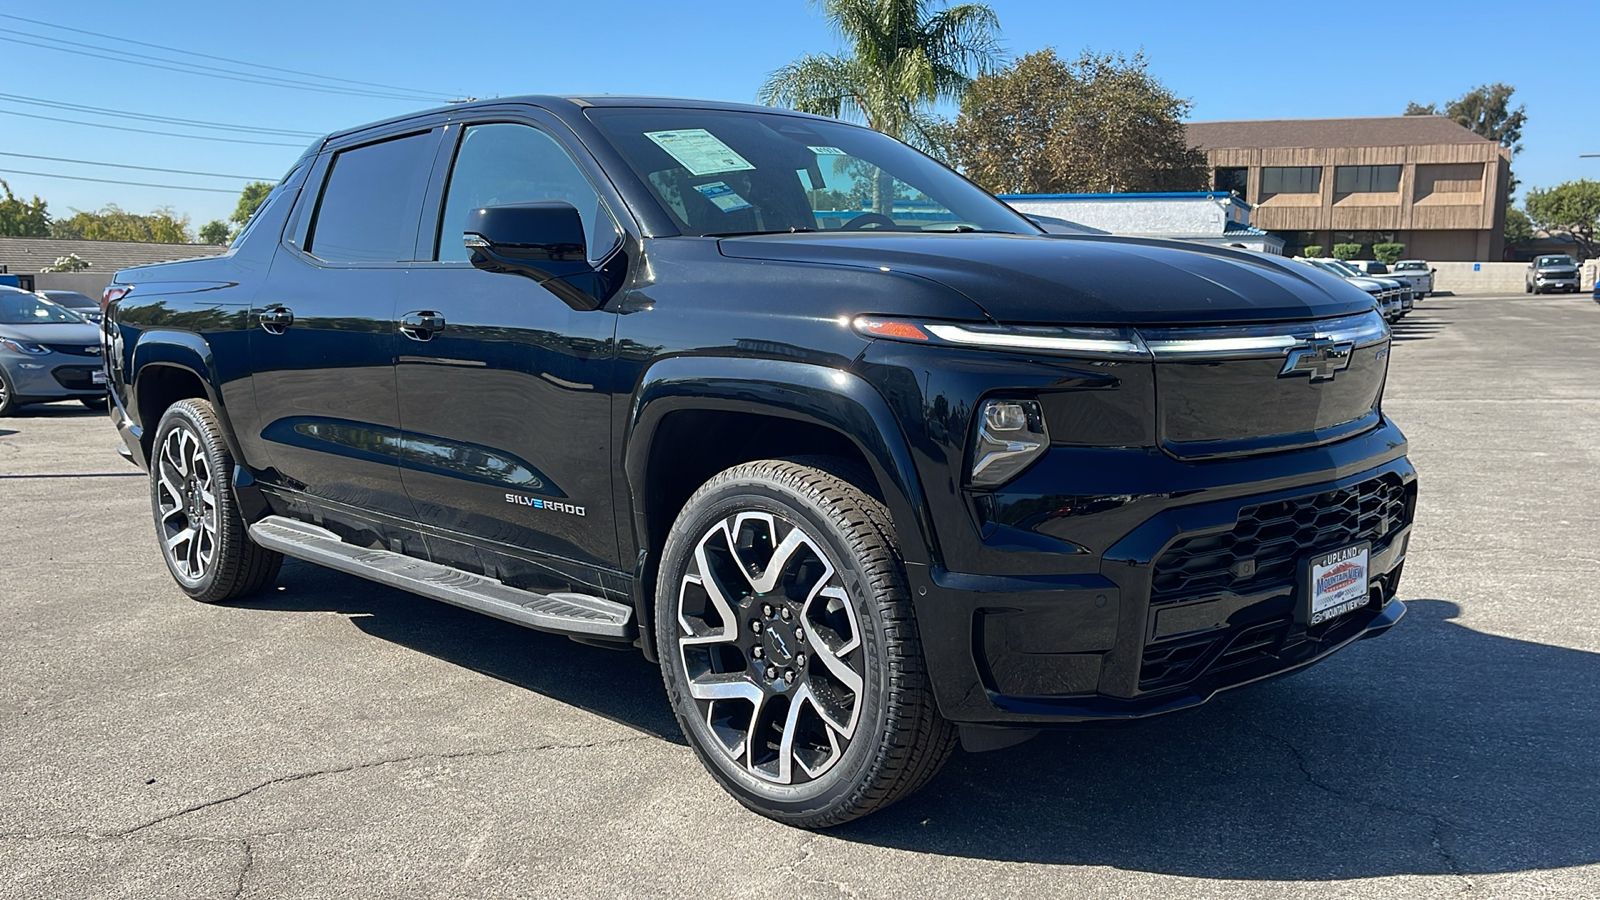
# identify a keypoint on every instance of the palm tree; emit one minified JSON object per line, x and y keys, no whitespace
{"x":904,"y":57}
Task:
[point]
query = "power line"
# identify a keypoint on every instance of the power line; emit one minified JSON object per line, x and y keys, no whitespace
{"x":123,"y":40}
{"x":85,"y":162}
{"x":193,"y":137}
{"x":168,"y":120}
{"x":170,"y":187}
{"x":110,"y":55}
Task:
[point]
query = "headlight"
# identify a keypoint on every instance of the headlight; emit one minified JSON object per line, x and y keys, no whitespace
{"x":1011,"y":435}
{"x":27,"y":347}
{"x":1069,"y":340}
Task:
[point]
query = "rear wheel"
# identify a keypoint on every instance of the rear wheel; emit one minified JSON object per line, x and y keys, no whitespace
{"x":790,"y":649}
{"x":203,"y":539}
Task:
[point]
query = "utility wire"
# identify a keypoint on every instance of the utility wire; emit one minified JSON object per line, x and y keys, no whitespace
{"x":110,"y":55}
{"x":123,"y":40}
{"x":170,"y":187}
{"x":193,"y":137}
{"x":166,"y":120}
{"x":86,"y":162}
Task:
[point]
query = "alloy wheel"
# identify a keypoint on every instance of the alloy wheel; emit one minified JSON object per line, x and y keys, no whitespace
{"x":771,"y":647}
{"x":186,"y":503}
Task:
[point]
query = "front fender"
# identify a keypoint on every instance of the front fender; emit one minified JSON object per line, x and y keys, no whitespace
{"x":820,"y":395}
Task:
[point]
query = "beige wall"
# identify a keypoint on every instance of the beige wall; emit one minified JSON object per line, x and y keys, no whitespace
{"x":1479,"y":278}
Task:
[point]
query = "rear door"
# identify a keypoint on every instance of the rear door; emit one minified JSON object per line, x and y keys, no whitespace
{"x":506,"y":403}
{"x":323,"y":340}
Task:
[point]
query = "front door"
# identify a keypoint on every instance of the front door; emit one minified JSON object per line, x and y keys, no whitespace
{"x":504,"y":389}
{"x":323,"y":338}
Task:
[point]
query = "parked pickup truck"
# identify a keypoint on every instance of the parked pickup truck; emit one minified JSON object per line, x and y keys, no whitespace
{"x":1558,"y":272}
{"x":1418,"y":274}
{"x":866,"y":476}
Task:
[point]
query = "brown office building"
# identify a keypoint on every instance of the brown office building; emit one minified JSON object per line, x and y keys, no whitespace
{"x":1422,"y":181}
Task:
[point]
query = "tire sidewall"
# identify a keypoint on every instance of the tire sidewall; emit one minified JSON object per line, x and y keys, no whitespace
{"x":844,"y":778}
{"x":185,"y":415}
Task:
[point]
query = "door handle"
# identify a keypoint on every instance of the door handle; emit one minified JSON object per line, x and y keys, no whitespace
{"x":421,"y":326}
{"x":276,"y":319}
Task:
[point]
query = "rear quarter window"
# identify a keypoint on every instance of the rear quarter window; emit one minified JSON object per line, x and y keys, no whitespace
{"x":371,"y":201}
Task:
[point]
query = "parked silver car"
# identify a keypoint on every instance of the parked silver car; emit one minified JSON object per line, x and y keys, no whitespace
{"x":47,"y":353}
{"x":1558,"y":272}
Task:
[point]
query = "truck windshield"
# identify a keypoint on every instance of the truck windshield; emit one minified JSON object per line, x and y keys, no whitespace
{"x":1556,"y":261}
{"x":724,"y":172}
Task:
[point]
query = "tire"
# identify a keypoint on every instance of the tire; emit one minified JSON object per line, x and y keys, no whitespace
{"x":95,"y":403}
{"x":1527,"y":288}
{"x":813,"y":559}
{"x":201,"y":535}
{"x":8,"y":396}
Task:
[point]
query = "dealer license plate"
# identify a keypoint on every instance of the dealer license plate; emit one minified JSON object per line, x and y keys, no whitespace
{"x":1338,"y":582}
{"x":98,"y":376}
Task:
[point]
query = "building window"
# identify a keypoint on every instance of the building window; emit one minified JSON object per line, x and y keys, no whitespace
{"x":1236,"y":180}
{"x":1291,"y":179}
{"x":1296,"y":242}
{"x":1366,"y":179}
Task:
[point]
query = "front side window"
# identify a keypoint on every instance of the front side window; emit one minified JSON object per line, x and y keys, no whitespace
{"x":1291,"y":179}
{"x":508,"y":163}
{"x":1366,"y":179}
{"x":723,"y":172}
{"x":371,"y":201}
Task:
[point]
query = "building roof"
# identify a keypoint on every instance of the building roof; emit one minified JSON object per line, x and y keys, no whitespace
{"x":22,"y":256}
{"x":1384,"y":131}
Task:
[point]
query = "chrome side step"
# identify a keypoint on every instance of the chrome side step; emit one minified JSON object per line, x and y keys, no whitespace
{"x":562,"y":613}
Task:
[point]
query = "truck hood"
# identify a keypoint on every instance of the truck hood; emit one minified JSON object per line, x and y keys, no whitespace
{"x":53,"y":333}
{"x":1080,"y":280}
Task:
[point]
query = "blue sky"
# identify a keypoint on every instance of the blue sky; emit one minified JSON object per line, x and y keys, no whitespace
{"x":1235,"y":61}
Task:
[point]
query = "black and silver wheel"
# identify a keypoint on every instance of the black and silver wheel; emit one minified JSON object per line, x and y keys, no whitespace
{"x":790,"y":649}
{"x":8,"y":396}
{"x":203,"y":540}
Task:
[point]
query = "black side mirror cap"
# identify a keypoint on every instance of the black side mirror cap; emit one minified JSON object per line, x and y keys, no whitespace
{"x":544,"y":241}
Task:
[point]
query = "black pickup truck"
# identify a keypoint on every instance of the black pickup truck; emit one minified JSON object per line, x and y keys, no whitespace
{"x":866,"y":461}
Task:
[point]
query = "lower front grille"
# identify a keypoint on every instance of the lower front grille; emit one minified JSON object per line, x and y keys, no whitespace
{"x":77,"y":378}
{"x":1264,"y":548}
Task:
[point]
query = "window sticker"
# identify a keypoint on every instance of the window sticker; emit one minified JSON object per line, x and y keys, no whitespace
{"x":723,"y":196}
{"x":699,"y":151}
{"x":827,"y":151}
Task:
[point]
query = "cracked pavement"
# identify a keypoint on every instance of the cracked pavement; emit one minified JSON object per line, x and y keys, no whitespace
{"x":333,"y":738}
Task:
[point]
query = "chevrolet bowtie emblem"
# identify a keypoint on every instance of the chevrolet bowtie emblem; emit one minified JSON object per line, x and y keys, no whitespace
{"x":1319,"y":358}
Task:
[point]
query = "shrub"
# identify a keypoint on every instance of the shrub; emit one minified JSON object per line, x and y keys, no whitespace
{"x":1346,"y":251}
{"x":1313,"y":250}
{"x":72,"y":262}
{"x":1388,"y":254}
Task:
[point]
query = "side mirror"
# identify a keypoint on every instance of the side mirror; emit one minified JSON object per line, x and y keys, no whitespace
{"x":543,"y":241}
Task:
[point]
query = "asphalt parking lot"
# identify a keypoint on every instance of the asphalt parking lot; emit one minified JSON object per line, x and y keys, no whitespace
{"x":332,"y":738}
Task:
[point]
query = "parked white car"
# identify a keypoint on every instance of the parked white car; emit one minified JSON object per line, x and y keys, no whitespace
{"x":1418,"y":273}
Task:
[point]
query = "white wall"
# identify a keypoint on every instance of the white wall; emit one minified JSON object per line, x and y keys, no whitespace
{"x":90,"y":285}
{"x":1479,"y":278}
{"x":1177,"y":215}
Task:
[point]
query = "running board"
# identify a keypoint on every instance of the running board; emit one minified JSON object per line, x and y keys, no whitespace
{"x":578,"y":615}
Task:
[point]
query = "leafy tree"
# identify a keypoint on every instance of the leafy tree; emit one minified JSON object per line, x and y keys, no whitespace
{"x":1572,"y":208}
{"x":1484,"y":110}
{"x":904,"y":56}
{"x":1346,"y":251}
{"x":1098,"y":124}
{"x":1519,"y":230}
{"x":249,"y":201}
{"x":1388,"y":254}
{"x":215,"y":231}
{"x":112,"y":223}
{"x":22,"y":218}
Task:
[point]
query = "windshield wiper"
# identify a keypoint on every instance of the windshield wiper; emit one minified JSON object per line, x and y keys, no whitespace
{"x":795,"y":230}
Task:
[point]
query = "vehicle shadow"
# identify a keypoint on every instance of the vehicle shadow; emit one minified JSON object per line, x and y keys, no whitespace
{"x":619,"y":685}
{"x":66,"y":409}
{"x":1434,"y":750}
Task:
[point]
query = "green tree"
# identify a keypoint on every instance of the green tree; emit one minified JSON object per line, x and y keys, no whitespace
{"x":1484,"y":110}
{"x":1346,"y":251}
{"x":904,"y":56}
{"x":249,"y":201}
{"x":1388,"y":254}
{"x":22,"y":218}
{"x":1101,"y":123}
{"x":113,"y":223}
{"x":1572,"y":208}
{"x":1519,"y":230}
{"x":215,"y":231}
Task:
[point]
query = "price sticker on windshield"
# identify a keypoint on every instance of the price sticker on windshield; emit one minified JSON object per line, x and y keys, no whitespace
{"x":699,"y":151}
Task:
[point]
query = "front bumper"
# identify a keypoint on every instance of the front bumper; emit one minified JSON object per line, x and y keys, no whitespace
{"x":53,"y":376}
{"x":1572,"y":282}
{"x":1163,"y":620}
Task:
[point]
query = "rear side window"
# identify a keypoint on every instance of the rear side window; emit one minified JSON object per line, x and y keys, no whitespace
{"x":371,"y":201}
{"x":503,"y":162}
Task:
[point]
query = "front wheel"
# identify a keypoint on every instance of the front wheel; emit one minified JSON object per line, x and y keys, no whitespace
{"x":790,"y":648}
{"x":203,"y":539}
